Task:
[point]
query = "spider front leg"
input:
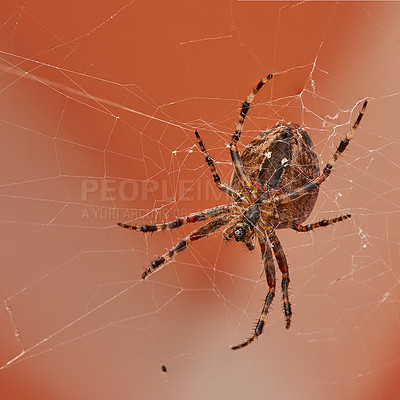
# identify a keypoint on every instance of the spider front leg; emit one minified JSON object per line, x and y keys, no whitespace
{"x":324,"y":222}
{"x":191,"y":218}
{"x":226,"y":189}
{"x":199,"y":233}
{"x":228,"y":232}
{"x":250,"y":241}
{"x":237,"y":162}
{"x":270,"y":274}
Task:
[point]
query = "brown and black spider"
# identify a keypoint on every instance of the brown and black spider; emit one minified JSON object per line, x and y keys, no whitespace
{"x":275,"y":185}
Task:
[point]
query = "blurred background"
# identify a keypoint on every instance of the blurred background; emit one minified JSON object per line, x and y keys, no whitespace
{"x":99,"y":102}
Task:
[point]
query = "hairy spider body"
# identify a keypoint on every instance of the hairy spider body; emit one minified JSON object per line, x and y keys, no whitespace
{"x":281,"y":160}
{"x":275,"y":185}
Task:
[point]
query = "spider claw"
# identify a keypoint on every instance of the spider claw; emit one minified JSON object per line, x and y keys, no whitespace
{"x":364,"y":106}
{"x":244,"y":344}
{"x":258,"y":330}
{"x":127,"y":226}
{"x":146,"y":273}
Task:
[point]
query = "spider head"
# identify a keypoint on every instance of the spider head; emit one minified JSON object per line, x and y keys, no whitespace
{"x":244,"y":229}
{"x":240,"y":231}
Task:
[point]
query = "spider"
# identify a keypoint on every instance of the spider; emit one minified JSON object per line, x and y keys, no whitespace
{"x":275,"y":185}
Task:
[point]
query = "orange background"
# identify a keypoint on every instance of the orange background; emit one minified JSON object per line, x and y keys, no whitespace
{"x":98,"y":104}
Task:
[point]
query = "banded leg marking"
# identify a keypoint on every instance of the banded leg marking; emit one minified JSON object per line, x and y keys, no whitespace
{"x":226,"y":189}
{"x":191,"y":218}
{"x":237,"y":163}
{"x":343,"y":144}
{"x":270,"y":274}
{"x":197,"y":234}
{"x":283,"y":266}
{"x":286,"y":198}
{"x":324,"y":222}
{"x":246,"y":107}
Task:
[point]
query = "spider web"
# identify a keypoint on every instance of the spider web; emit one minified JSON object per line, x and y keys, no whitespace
{"x":99,"y":103}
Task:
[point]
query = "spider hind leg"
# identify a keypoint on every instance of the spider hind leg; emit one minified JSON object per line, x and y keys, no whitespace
{"x":319,"y":224}
{"x":269,"y":268}
{"x":283,"y":266}
{"x":236,"y":160}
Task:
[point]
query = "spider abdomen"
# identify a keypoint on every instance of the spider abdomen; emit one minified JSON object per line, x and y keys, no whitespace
{"x":282,"y":159}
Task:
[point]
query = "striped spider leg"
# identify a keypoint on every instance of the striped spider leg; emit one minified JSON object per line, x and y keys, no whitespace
{"x":266,"y":234}
{"x":197,"y":234}
{"x":189,"y":219}
{"x":217,"y":180}
{"x":319,"y":224}
{"x":316,"y":182}
{"x":269,"y":269}
{"x":237,"y":161}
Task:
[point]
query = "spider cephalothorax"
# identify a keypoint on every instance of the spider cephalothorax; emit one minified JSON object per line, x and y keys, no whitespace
{"x":247,"y":224}
{"x":275,"y":185}
{"x":243,"y":229}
